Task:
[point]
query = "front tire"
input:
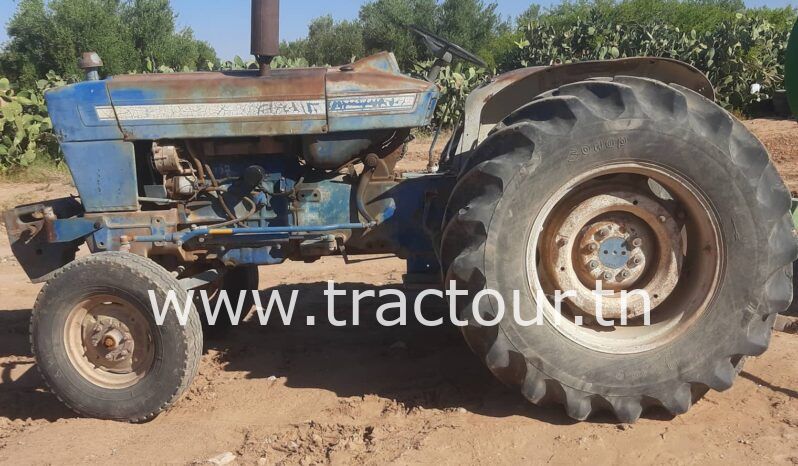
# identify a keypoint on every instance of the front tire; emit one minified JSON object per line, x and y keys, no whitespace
{"x":97,"y":343}
{"x":675,"y":183}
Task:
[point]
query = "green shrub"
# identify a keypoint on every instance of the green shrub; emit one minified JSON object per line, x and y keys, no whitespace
{"x":26,"y":131}
{"x":455,"y":82}
{"x":735,"y":54}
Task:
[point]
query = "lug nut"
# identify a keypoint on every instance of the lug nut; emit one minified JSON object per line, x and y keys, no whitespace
{"x":637,"y":242}
{"x":592,"y":247}
{"x":608,"y":276}
{"x":593,"y":265}
{"x":637,"y":261}
{"x":626,"y":274}
{"x":604,"y":232}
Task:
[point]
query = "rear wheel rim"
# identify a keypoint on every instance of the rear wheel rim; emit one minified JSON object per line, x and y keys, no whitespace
{"x":109,"y":342}
{"x":628,"y":226}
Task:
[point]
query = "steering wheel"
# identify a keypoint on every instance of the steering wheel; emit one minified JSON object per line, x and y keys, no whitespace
{"x":440,"y":47}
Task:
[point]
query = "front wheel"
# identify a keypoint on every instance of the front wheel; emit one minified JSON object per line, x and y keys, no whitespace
{"x":98,"y":345}
{"x":623,"y":185}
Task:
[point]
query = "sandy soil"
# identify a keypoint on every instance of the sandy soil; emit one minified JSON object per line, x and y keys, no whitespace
{"x":375,"y":395}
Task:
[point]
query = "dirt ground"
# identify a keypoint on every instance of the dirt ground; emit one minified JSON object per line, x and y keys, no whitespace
{"x":376,"y":395}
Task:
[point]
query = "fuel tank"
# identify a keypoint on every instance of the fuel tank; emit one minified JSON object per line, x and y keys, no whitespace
{"x":370,"y":94}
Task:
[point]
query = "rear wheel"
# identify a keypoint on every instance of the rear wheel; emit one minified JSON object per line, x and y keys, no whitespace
{"x":625,"y":184}
{"x":98,"y":345}
{"x":244,"y":278}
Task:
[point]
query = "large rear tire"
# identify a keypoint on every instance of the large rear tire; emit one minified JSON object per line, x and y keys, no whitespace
{"x":637,"y":185}
{"x":97,"y":343}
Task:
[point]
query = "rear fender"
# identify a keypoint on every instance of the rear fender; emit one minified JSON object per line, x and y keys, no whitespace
{"x":490,"y":104}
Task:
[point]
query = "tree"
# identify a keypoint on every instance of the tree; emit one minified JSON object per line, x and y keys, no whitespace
{"x":30,"y":50}
{"x":206,"y":56}
{"x":385,"y":27}
{"x":472,"y":25}
{"x":333,"y":43}
{"x":469,"y":23}
{"x":79,"y":26}
{"x":152,"y":25}
{"x":51,"y":35}
{"x":296,"y":49}
{"x":530,"y":14}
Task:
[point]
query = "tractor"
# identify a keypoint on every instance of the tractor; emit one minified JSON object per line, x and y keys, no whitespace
{"x":623,"y":173}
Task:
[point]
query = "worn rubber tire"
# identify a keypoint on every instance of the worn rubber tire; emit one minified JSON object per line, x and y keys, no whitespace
{"x":244,"y":278}
{"x":177,"y":351}
{"x":528,"y":157}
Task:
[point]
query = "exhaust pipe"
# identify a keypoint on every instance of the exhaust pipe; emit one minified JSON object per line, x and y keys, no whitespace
{"x":265,"y":32}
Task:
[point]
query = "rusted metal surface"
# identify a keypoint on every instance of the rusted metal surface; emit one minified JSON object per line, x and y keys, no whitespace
{"x":490,"y":104}
{"x":90,"y":63}
{"x":265,"y":30}
{"x":370,"y":94}
{"x":596,"y":241}
{"x":108,"y":343}
{"x":204,"y":105}
{"x":89,"y":60}
{"x":652,"y":213}
{"x":31,"y":235}
{"x":18,"y":229}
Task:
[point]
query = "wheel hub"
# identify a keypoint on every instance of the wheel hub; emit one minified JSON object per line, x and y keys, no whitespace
{"x":109,"y":342}
{"x":621,"y":240}
{"x":613,"y":252}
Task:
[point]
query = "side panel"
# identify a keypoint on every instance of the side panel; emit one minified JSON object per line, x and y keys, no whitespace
{"x":372,"y":94}
{"x":381,"y":111}
{"x":104,"y":173}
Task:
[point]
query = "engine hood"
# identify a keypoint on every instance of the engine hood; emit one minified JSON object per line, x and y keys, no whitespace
{"x":368,"y":94}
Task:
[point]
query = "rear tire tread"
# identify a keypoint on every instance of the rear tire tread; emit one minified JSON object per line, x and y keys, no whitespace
{"x":511,"y":148}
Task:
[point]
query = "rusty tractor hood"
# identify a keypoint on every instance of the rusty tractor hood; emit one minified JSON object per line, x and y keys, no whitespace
{"x":368,"y":94}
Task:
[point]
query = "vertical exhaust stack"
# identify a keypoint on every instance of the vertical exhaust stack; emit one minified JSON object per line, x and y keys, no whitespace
{"x":265,"y":32}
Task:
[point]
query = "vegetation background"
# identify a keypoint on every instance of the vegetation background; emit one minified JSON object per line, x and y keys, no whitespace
{"x":741,"y":50}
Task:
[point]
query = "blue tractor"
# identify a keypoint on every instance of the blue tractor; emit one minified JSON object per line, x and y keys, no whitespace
{"x":620,"y":173}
